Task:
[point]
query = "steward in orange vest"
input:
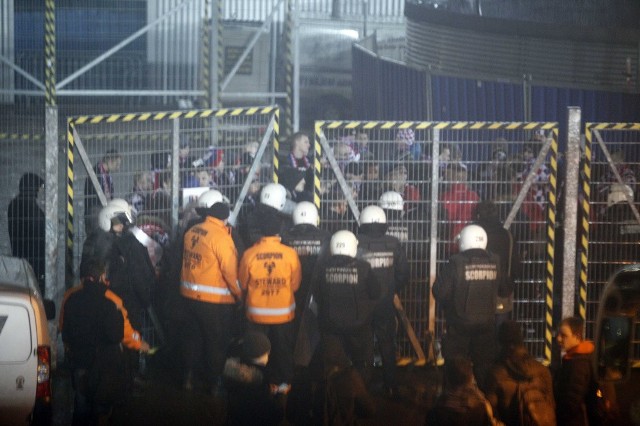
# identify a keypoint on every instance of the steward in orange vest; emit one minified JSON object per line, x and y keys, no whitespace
{"x":210,"y":289}
{"x":270,"y":274}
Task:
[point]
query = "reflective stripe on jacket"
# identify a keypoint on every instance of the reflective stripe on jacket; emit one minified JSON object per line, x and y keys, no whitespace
{"x":210,"y":264}
{"x":270,"y":274}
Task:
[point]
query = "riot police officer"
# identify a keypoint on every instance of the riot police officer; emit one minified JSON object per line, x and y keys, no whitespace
{"x":467,"y":288}
{"x":389,"y":264}
{"x":347,"y":294}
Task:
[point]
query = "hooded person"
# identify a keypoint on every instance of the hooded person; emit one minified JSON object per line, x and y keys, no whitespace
{"x":517,"y":373}
{"x":249,"y":399}
{"x":26,"y":221}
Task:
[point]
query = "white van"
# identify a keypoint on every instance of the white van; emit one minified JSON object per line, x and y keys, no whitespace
{"x":25,"y":346}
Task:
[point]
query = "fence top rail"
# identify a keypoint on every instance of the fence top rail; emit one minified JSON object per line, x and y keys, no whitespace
{"x":612,"y":126}
{"x":517,"y":125}
{"x":170,"y":115}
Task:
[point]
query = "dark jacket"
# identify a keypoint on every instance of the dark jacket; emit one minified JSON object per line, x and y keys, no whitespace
{"x":386,"y":256}
{"x":27,"y":225}
{"x":572,"y":383}
{"x":132,"y":276}
{"x":312,"y":245}
{"x":251,"y":231}
{"x":250,"y":402}
{"x":515,"y":366}
{"x":93,"y":330}
{"x":348,"y":292}
{"x":464,"y":406}
{"x":467,"y":287}
{"x":500,"y":241}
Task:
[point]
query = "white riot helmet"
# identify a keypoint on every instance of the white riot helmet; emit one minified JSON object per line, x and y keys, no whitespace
{"x":124,"y":207}
{"x":372,"y":214}
{"x":472,"y":237}
{"x":344,"y":243}
{"x":210,"y":197}
{"x":111,"y":212}
{"x":274,"y":195}
{"x":305,"y":213}
{"x":618,"y":193}
{"x":391,"y":200}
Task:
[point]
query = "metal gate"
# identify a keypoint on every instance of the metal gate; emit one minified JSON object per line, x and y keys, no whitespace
{"x":610,"y":218}
{"x":443,"y":169}
{"x":226,"y":149}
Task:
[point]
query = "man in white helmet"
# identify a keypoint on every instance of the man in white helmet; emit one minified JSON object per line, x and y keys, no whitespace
{"x":467,"y":288}
{"x":273,"y":198}
{"x":347,"y":294}
{"x":312,"y":246}
{"x":390,"y":266}
{"x":210,"y":288}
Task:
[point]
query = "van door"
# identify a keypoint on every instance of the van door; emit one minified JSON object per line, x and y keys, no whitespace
{"x":18,"y":360}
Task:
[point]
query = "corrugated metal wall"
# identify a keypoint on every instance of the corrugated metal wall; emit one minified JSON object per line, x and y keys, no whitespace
{"x":459,"y":99}
{"x":464,"y":45}
{"x":258,"y":10}
{"x":386,"y":90}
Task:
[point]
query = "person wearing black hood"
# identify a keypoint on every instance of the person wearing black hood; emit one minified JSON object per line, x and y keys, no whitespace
{"x":92,"y":333}
{"x":516,"y":371}
{"x":273,"y":198}
{"x":500,"y":242}
{"x":27,"y":225}
{"x":389,"y":264}
{"x":249,"y":399}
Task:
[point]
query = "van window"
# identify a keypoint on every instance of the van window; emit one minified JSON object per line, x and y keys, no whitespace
{"x":15,"y":333}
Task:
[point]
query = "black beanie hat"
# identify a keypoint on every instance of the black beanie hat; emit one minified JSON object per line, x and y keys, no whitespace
{"x":271,"y":223}
{"x":219,"y":211}
{"x":254,"y":345}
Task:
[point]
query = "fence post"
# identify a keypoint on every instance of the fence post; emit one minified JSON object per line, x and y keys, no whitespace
{"x":570,"y":225}
{"x":51,"y":154}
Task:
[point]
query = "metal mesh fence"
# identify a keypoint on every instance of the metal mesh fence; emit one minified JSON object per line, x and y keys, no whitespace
{"x":443,"y":170}
{"x":614,"y":228}
{"x":21,"y":200}
{"x":132,"y":157}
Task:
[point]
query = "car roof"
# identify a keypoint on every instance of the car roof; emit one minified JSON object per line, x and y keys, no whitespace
{"x":16,"y":272}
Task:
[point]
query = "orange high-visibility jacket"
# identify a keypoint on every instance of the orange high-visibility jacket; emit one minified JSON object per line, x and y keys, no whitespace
{"x":210,"y":264}
{"x":132,"y":338}
{"x":270,"y":274}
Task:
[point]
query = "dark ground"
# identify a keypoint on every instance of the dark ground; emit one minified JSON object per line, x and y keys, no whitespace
{"x":162,"y":401}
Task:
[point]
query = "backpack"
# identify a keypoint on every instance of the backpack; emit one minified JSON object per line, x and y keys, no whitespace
{"x":534,"y":407}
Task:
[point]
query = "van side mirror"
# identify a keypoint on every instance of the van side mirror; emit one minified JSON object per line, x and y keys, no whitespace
{"x":49,"y":309}
{"x":617,"y":311}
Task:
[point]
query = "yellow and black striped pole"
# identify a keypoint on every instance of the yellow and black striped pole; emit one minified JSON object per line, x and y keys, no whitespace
{"x":551,"y":240}
{"x":50,"y":53}
{"x":70,"y":197}
{"x":585,"y":206}
{"x":317,"y":165}
{"x":220,"y":55}
{"x":276,"y":145}
{"x":288,"y":73}
{"x":206,"y":55}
